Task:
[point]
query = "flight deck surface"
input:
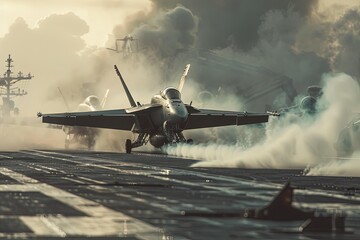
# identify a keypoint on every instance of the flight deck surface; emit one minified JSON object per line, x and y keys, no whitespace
{"x":51,"y":194}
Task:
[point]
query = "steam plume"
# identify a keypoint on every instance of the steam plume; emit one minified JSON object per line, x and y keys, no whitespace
{"x":307,"y":142}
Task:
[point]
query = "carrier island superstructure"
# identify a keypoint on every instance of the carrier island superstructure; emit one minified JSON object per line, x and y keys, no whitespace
{"x":8,"y":90}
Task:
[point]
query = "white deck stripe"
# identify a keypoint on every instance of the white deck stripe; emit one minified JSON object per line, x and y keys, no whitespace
{"x":101,"y":221}
{"x":229,"y":191}
{"x":249,"y":183}
{"x":4,"y":156}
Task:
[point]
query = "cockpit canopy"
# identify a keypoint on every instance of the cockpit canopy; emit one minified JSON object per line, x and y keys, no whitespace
{"x":170,"y":93}
{"x":93,"y":101}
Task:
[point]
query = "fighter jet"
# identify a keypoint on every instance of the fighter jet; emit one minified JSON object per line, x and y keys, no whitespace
{"x":84,"y":135}
{"x":126,"y":48}
{"x":308,"y":104}
{"x":160,"y":122}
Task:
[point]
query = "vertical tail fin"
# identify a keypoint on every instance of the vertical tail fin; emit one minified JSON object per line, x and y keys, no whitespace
{"x":281,"y":207}
{"x":131,"y":99}
{"x":65,"y":101}
{"x":183,"y":77}
{"x":103,"y":101}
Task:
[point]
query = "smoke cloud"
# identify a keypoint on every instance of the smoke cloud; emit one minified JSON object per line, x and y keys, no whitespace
{"x":59,"y":58}
{"x":291,"y":38}
{"x":248,"y":46}
{"x":169,"y":32}
{"x":336,"y":167}
{"x":308,"y":142}
{"x":232,"y":21}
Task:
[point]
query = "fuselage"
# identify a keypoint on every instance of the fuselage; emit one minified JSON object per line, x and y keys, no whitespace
{"x":173,"y":109}
{"x":170,"y":118}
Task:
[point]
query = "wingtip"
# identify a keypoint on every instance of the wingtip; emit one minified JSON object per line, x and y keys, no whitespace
{"x":275,"y":114}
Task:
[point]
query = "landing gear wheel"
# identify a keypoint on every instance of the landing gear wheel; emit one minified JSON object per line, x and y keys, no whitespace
{"x":128,"y":146}
{"x":189,"y":141}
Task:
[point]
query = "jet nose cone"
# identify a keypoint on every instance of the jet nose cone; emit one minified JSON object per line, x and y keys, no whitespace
{"x":179,"y":114}
{"x":182,"y":114}
{"x":179,"y":117}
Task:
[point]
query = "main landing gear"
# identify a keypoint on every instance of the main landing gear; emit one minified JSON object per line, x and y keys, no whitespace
{"x":141,"y":140}
{"x":91,"y":143}
{"x":88,"y":141}
{"x":67,"y":143}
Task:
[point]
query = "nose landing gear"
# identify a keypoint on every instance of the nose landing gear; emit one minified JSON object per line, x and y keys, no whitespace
{"x":171,"y":138}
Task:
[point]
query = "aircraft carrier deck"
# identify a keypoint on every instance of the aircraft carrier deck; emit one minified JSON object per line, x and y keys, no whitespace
{"x":99,"y":195}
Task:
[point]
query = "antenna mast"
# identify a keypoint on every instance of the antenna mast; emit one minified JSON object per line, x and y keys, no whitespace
{"x":6,"y":89}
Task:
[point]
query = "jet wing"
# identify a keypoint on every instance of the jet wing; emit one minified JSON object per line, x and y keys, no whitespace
{"x":112,"y":119}
{"x":205,"y":118}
